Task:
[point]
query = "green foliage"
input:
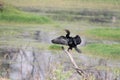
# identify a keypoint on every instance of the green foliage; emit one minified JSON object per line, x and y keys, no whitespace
{"x":105,"y":50}
{"x":116,"y":71}
{"x":105,"y":33}
{"x":11,"y":14}
{"x":55,"y":47}
{"x":60,"y":74}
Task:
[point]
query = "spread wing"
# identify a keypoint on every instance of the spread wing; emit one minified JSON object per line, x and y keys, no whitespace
{"x":60,"y":40}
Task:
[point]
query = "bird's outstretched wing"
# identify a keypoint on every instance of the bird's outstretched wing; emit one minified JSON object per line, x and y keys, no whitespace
{"x":60,"y":40}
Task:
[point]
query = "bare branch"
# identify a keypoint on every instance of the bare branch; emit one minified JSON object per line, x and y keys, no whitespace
{"x":79,"y":71}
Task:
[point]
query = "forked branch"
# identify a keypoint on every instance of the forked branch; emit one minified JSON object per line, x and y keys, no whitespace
{"x":79,"y":71}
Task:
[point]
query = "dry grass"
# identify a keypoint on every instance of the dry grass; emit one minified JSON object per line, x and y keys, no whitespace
{"x":67,"y":4}
{"x":4,"y":79}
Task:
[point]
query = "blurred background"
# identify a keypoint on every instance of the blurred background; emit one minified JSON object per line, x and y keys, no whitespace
{"x":28,"y":26}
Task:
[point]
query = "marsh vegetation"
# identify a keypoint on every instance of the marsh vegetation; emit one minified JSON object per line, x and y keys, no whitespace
{"x":27,"y":28}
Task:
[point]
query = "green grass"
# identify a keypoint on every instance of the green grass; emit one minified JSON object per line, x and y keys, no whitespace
{"x":104,"y":50}
{"x":11,"y":14}
{"x":55,"y":47}
{"x":104,"y":33}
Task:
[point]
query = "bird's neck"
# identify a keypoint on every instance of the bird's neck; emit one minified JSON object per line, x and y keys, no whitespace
{"x":68,"y":35}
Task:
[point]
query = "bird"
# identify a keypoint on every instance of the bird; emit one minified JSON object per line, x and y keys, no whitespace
{"x":67,"y":40}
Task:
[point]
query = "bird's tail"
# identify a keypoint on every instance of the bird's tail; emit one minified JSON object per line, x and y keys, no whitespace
{"x":78,"y":50}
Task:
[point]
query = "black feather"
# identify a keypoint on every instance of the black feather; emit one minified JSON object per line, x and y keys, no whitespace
{"x":72,"y":42}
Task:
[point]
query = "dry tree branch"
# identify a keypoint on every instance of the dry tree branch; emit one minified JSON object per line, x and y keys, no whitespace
{"x":79,"y":71}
